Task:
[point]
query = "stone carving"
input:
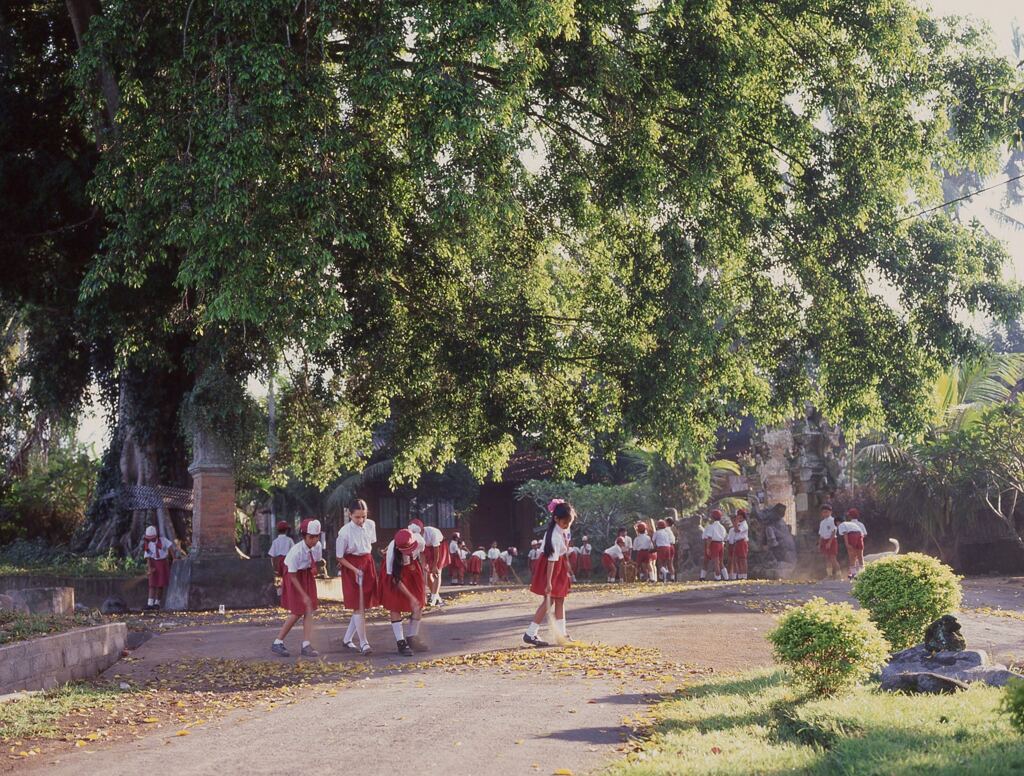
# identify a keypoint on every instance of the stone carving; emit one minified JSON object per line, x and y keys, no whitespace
{"x":918,"y":670}
{"x":944,"y":635}
{"x":779,"y":541}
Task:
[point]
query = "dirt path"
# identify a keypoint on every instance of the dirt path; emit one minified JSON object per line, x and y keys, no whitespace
{"x":495,"y":718}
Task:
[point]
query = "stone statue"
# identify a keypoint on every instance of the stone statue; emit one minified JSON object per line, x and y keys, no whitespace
{"x":944,"y":635}
{"x":778,"y":536}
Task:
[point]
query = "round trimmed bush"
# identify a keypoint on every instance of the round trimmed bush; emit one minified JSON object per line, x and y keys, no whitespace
{"x":1013,"y":703}
{"x":828,"y":647}
{"x":905,"y":593}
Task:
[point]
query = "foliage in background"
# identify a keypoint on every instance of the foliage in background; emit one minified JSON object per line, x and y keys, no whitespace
{"x":50,"y":498}
{"x":828,"y":647}
{"x":600,"y":509}
{"x":906,"y":593}
{"x":42,"y":558}
{"x":1013,"y":703}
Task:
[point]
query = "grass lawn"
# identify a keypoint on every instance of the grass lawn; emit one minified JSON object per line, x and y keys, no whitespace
{"x":756,"y":724}
{"x":39,"y":715}
{"x":15,"y":626}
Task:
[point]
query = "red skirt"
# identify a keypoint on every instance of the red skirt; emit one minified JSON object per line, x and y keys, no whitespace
{"x":585,"y":562}
{"x":290,"y":599}
{"x":159,"y":572}
{"x":854,"y":540}
{"x":560,"y":582}
{"x":740,"y":549}
{"x":715,"y":550}
{"x":349,"y":588}
{"x":664,"y":554}
{"x":828,"y":546}
{"x":392,"y":598}
{"x":278,"y":563}
{"x":608,"y":562}
{"x":457,"y":563}
{"x":643,"y":557}
{"x":476,"y":565}
{"x":574,"y":561}
{"x":437,"y":556}
{"x":500,"y":568}
{"x":534,"y":566}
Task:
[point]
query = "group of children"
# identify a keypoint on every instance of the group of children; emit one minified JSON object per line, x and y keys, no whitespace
{"x":852,"y":531}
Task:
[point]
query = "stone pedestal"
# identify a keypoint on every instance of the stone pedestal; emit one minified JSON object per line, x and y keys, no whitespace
{"x":774,"y":473}
{"x":213,"y":573}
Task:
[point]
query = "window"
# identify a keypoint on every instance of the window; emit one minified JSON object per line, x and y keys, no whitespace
{"x":394,"y":512}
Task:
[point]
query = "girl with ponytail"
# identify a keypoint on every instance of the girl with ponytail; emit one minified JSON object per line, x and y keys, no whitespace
{"x":551,"y":579}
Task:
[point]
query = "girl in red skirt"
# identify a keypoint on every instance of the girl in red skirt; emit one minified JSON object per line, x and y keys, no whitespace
{"x":353,"y":547}
{"x":645,"y":553}
{"x":298,"y":588}
{"x":739,"y":546}
{"x":552,"y":580}
{"x":853,"y":532}
{"x":158,"y":553}
{"x":403,"y":589}
{"x":612,"y":559}
{"x":585,"y":564}
{"x":458,"y":562}
{"x":476,"y":565}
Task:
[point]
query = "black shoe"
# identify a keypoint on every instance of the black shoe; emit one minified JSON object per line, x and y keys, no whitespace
{"x":534,"y":641}
{"x":404,"y":648}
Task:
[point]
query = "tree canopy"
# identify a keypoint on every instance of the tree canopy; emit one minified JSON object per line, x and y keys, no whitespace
{"x":549,"y":221}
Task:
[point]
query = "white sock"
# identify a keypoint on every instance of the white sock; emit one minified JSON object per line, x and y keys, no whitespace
{"x":413,"y":629}
{"x":397,"y":628}
{"x":305,"y":644}
{"x":150,"y":601}
{"x":718,"y":578}
{"x":532,"y":630}
{"x":560,"y":624}
{"x":703,"y":574}
{"x":351,"y":630}
{"x":278,"y":641}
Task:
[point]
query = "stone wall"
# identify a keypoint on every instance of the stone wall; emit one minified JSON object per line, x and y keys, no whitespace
{"x":89,"y":591}
{"x":40,"y":664}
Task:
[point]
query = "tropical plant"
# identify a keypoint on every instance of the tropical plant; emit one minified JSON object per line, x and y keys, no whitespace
{"x":600,"y":509}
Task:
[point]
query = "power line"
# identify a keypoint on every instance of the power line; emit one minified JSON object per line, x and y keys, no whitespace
{"x":960,"y":199}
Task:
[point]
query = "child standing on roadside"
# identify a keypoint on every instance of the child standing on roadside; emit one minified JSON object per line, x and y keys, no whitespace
{"x":612,"y":559}
{"x":828,"y":544}
{"x":586,"y":563}
{"x":298,"y":588}
{"x":645,"y":554}
{"x":664,"y":540}
{"x":853,"y":532}
{"x":714,"y":545}
{"x":476,"y":565}
{"x":355,"y":561}
{"x":158,"y":552}
{"x":458,"y":562}
{"x":739,"y":546}
{"x":279,"y":548}
{"x":552,"y":578}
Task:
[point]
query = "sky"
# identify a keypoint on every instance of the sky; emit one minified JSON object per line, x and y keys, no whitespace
{"x":1000,"y":15}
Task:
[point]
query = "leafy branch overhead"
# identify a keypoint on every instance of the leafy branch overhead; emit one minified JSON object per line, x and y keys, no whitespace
{"x":553,"y":222}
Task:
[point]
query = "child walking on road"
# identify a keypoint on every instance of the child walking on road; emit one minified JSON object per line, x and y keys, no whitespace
{"x":298,"y":588}
{"x":552,"y":578}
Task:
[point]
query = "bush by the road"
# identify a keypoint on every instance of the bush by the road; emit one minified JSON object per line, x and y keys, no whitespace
{"x":828,"y":647}
{"x":905,"y":593}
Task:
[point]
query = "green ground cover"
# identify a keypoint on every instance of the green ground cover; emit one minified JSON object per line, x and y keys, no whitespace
{"x":756,"y":724}
{"x":39,"y":715}
{"x":21,"y":557}
{"x":16,"y":626}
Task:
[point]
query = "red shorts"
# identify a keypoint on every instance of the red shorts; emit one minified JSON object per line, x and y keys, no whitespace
{"x":740,"y":549}
{"x":476,"y":565}
{"x":391,"y":596}
{"x":290,"y":599}
{"x":585,"y":563}
{"x":643,"y":557}
{"x":560,"y":582}
{"x":664,"y":555}
{"x":854,"y":540}
{"x":608,"y":562}
{"x":349,"y":588}
{"x":159,"y":572}
{"x":829,"y":547}
{"x":714,"y":550}
{"x":436,"y":556}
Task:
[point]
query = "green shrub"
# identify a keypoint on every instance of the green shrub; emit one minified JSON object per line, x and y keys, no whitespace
{"x":828,"y":647}
{"x":905,"y":593}
{"x":1013,"y":703}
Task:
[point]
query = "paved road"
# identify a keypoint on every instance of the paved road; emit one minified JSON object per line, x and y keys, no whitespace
{"x":477,"y":721}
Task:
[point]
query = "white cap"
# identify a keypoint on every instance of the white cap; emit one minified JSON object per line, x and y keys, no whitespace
{"x":313,"y":529}
{"x":585,"y":538}
{"x":414,"y":528}
{"x":150,"y":530}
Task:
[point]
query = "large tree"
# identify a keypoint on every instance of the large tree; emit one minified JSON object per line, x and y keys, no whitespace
{"x":544,"y":221}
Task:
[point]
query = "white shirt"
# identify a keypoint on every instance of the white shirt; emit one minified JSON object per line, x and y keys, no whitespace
{"x":480,"y":554}
{"x":355,"y":539}
{"x":302,"y":557}
{"x":280,"y":545}
{"x":739,"y":532}
{"x":507,"y":557}
{"x":432,"y":536}
{"x":151,"y":550}
{"x":615,"y":551}
{"x":559,"y":543}
{"x":643,"y":543}
{"x":827,"y":527}
{"x":463,"y":553}
{"x":534,"y":553}
{"x":852,"y":526}
{"x":587,"y":548}
{"x":715,"y":531}
{"x":453,"y":548}
{"x":664,"y":537}
{"x":573,"y":551}
{"x":494,"y":553}
{"x":629,"y":542}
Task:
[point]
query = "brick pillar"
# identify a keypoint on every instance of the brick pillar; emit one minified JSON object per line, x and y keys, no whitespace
{"x":213,"y":510}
